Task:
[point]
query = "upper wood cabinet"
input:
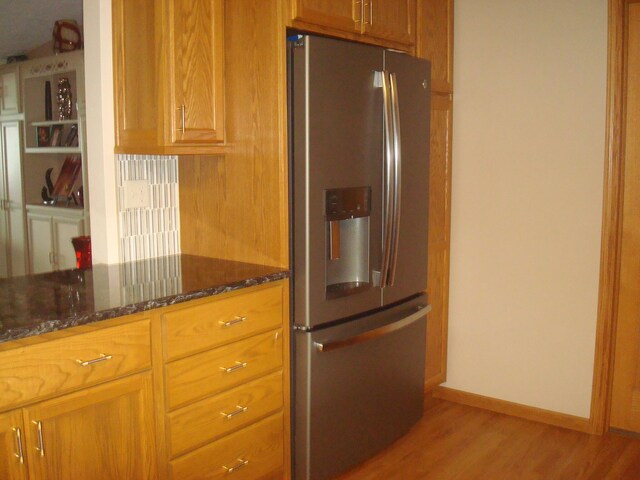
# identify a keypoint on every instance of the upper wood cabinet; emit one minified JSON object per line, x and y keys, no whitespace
{"x":169,"y":76}
{"x":385,"y":22}
{"x":392,"y":20}
{"x":435,"y":41}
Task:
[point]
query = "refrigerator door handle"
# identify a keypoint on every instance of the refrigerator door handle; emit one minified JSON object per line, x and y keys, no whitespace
{"x":388,"y":182}
{"x":397,"y":157}
{"x":373,"y":334}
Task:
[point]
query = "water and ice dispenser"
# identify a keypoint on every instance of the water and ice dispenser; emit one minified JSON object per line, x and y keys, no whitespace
{"x":347,"y":215}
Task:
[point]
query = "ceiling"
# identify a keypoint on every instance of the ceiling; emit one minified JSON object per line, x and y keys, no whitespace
{"x":27,"y":24}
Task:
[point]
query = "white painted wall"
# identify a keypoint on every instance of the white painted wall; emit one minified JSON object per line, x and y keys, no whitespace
{"x":528,"y":156}
{"x":100,"y":131}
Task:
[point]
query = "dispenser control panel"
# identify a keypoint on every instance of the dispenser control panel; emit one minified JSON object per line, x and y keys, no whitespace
{"x":346,"y":203}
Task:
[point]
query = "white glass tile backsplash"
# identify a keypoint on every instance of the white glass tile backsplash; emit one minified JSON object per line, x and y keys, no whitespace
{"x":152,"y":231}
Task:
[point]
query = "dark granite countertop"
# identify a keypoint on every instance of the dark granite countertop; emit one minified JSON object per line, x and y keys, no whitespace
{"x":37,"y":304}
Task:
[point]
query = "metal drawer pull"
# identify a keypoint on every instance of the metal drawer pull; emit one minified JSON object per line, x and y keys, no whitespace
{"x":241,"y":463}
{"x":40,"y":446}
{"x":237,"y":366}
{"x":235,"y":321}
{"x":102,"y":358}
{"x":20,"y":454}
{"x":240,"y":409}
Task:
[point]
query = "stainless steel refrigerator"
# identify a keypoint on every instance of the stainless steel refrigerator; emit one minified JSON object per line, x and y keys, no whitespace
{"x":359,"y":148}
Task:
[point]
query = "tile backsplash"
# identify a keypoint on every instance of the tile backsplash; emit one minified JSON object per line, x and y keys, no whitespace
{"x":153,"y":230}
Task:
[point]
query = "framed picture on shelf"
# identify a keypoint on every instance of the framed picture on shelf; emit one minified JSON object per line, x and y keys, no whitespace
{"x":43,"y":136}
{"x":56,"y":135}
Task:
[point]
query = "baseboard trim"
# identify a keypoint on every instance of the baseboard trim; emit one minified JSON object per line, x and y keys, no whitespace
{"x":514,"y":409}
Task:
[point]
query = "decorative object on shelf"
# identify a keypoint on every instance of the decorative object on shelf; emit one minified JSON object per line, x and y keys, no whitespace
{"x":82,"y":246}
{"x":62,"y":190}
{"x":66,"y":36}
{"x":43,"y":136}
{"x":64,"y":99}
{"x":56,"y":135}
{"x":47,"y":191}
{"x":72,"y":137}
{"x":48,"y":113}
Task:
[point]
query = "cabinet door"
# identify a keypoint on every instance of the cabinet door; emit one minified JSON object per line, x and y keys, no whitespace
{"x":13,"y":460}
{"x":40,"y":243}
{"x":345,"y":15}
{"x":392,"y":20}
{"x":435,"y":41}
{"x":11,"y":156}
{"x":196,"y":71}
{"x":438,"y":247}
{"x":104,"y":432}
{"x":135,"y":74}
{"x":64,"y":229}
{"x":9,"y":98}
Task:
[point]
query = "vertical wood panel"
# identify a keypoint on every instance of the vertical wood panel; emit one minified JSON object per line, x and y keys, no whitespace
{"x":438,"y":248}
{"x":237,"y":203}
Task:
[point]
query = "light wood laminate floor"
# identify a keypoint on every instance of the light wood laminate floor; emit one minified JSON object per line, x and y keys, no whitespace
{"x":458,"y":442}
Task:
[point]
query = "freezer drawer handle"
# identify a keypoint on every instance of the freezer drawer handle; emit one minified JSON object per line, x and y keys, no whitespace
{"x":235,"y":321}
{"x":241,"y":463}
{"x":372,"y":334}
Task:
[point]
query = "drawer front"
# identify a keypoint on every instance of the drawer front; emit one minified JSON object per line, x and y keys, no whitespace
{"x":221,"y":321}
{"x":74,"y":362}
{"x":211,"y":372}
{"x":214,"y":417}
{"x":259,"y":445}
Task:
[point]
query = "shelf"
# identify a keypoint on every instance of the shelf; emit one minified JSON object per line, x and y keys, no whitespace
{"x":47,"y":123}
{"x":53,"y":150}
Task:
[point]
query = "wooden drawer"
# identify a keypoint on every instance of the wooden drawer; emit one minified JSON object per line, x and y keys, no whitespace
{"x":260,"y":445}
{"x":37,"y":371}
{"x":211,"y":372}
{"x":216,"y":416}
{"x":223,"y":320}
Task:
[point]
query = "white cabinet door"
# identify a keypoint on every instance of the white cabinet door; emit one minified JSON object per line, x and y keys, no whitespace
{"x":40,"y":242}
{"x":64,"y":229}
{"x":11,"y":194}
{"x":9,"y":97}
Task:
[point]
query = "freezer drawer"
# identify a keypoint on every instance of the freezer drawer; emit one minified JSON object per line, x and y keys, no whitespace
{"x":358,"y":387}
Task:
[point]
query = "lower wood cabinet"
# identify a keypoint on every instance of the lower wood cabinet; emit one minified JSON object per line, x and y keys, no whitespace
{"x":103,"y":432}
{"x":107,"y":401}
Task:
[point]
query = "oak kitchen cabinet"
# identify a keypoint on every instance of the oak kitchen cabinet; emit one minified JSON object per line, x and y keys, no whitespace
{"x":97,"y":401}
{"x":224,"y":378}
{"x":71,"y":404}
{"x":168,"y":66}
{"x":373,"y":21}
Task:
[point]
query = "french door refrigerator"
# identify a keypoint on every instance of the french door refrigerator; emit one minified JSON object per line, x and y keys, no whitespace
{"x":359,"y":148}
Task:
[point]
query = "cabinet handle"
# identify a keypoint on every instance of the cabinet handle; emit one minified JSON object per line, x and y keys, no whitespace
{"x":370,"y":5}
{"x":241,"y":463}
{"x":237,"y":366}
{"x":182,"y":109}
{"x":40,"y":446}
{"x":20,"y":454}
{"x":240,"y":409}
{"x":357,"y":11}
{"x":235,"y":321}
{"x":51,"y":260}
{"x":101,"y":358}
